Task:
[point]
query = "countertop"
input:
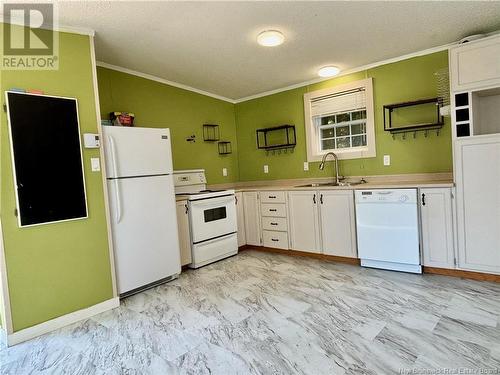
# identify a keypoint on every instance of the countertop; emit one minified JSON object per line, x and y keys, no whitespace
{"x":425,"y":180}
{"x":368,"y":185}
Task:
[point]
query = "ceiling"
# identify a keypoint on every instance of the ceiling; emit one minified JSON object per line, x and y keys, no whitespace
{"x":212,"y":46}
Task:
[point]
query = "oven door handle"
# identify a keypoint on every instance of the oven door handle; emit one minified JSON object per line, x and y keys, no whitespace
{"x":214,"y":202}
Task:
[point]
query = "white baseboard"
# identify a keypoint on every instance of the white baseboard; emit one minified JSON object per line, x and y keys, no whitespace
{"x":62,"y":321}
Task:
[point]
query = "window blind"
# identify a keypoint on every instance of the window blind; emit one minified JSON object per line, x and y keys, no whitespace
{"x":339,"y":102}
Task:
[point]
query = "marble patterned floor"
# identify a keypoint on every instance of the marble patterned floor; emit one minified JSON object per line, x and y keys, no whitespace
{"x":261,"y":313}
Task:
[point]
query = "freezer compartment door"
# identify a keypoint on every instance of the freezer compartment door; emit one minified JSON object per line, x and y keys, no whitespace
{"x":144,"y":226}
{"x":134,"y":152}
{"x":212,"y":217}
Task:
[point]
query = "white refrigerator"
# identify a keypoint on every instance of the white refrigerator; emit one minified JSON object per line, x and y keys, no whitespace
{"x":142,"y":206}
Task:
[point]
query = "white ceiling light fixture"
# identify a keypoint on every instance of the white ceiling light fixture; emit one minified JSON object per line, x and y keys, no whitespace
{"x":270,"y":38}
{"x":328,"y":71}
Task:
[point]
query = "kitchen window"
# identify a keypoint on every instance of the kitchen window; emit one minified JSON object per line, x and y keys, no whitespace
{"x":340,"y":119}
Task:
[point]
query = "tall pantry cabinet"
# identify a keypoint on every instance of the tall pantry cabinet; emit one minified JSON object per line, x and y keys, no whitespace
{"x":475,"y":97}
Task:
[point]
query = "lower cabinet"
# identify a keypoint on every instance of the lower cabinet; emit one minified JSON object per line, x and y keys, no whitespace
{"x":304,"y":221}
{"x":437,"y":227}
{"x":338,"y":223}
{"x":252,"y":218}
{"x":240,"y":217}
{"x":184,"y":234}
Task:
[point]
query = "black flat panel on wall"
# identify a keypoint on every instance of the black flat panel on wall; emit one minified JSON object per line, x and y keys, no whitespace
{"x":47,"y":158}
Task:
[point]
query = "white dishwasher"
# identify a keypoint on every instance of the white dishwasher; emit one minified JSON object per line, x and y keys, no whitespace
{"x":387,"y":229}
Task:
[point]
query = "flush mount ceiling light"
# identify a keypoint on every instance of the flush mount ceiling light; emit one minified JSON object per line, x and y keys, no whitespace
{"x":328,"y":71}
{"x":270,"y":38}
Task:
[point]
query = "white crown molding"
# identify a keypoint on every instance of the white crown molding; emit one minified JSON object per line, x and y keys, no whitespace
{"x":59,"y":28}
{"x":164,"y":81}
{"x":349,"y":71}
{"x":286,"y":88}
{"x":361,"y":68}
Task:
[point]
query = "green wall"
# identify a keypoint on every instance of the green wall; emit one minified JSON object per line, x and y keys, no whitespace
{"x":392,"y":83}
{"x":184,"y":112}
{"x":56,"y":269}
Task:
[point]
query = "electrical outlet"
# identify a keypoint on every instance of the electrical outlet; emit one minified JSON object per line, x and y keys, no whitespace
{"x":387,"y":160}
{"x":266,"y":168}
{"x":95,"y":164}
{"x":224,"y":172}
{"x":306,"y":166}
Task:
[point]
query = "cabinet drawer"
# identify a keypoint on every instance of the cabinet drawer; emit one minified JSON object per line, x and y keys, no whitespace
{"x":274,"y":223}
{"x":272,"y":196}
{"x":275,"y":239}
{"x":277,"y":210}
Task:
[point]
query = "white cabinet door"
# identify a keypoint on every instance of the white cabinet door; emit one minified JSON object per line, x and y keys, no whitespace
{"x":304,"y":221}
{"x":184,"y":235}
{"x":437,"y":227}
{"x":252,"y":218}
{"x":240,"y":217}
{"x":478,"y":202}
{"x":338,"y":224}
{"x":475,"y":65}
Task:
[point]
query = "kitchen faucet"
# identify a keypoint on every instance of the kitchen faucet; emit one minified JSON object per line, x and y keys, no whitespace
{"x":336,"y":159}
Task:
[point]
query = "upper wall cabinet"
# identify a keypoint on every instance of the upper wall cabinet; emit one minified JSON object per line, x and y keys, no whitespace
{"x":475,"y":65}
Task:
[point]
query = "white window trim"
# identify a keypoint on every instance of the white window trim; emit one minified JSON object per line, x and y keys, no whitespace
{"x":312,"y":139}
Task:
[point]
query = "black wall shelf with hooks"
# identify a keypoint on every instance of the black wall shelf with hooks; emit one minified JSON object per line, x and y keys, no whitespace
{"x":211,"y":133}
{"x":412,"y":128}
{"x":277,"y":138}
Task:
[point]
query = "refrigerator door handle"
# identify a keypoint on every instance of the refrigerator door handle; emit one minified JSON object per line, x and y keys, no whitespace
{"x":111,"y":142}
{"x":118,"y":202}
{"x":118,"y":214}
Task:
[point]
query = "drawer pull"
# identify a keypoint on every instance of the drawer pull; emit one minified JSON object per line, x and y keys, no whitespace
{"x":272,"y":196}
{"x":273,"y":209}
{"x":274,"y":239}
{"x":274,"y":223}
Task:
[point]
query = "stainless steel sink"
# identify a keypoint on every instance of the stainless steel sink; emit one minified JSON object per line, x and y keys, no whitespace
{"x":341,"y":183}
{"x":352,"y":183}
{"x":318,"y":185}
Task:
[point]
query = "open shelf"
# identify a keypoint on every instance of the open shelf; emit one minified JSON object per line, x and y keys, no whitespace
{"x":225,"y":147}
{"x":412,"y":127}
{"x":276,"y":138}
{"x":211,"y":133}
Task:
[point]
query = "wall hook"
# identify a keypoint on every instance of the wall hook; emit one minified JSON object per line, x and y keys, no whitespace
{"x":404,"y":136}
{"x":191,"y":138}
{"x":426,"y":133}
{"x":414,"y":135}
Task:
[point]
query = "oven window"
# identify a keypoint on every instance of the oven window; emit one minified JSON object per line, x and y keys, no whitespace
{"x":215,"y":214}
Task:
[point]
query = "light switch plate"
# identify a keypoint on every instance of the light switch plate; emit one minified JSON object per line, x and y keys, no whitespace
{"x":266,"y":168}
{"x":306,"y":166}
{"x":387,"y":160}
{"x":95,"y":164}
{"x":224,"y":172}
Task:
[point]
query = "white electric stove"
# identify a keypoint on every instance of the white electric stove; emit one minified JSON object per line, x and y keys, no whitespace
{"x":212,"y":218}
